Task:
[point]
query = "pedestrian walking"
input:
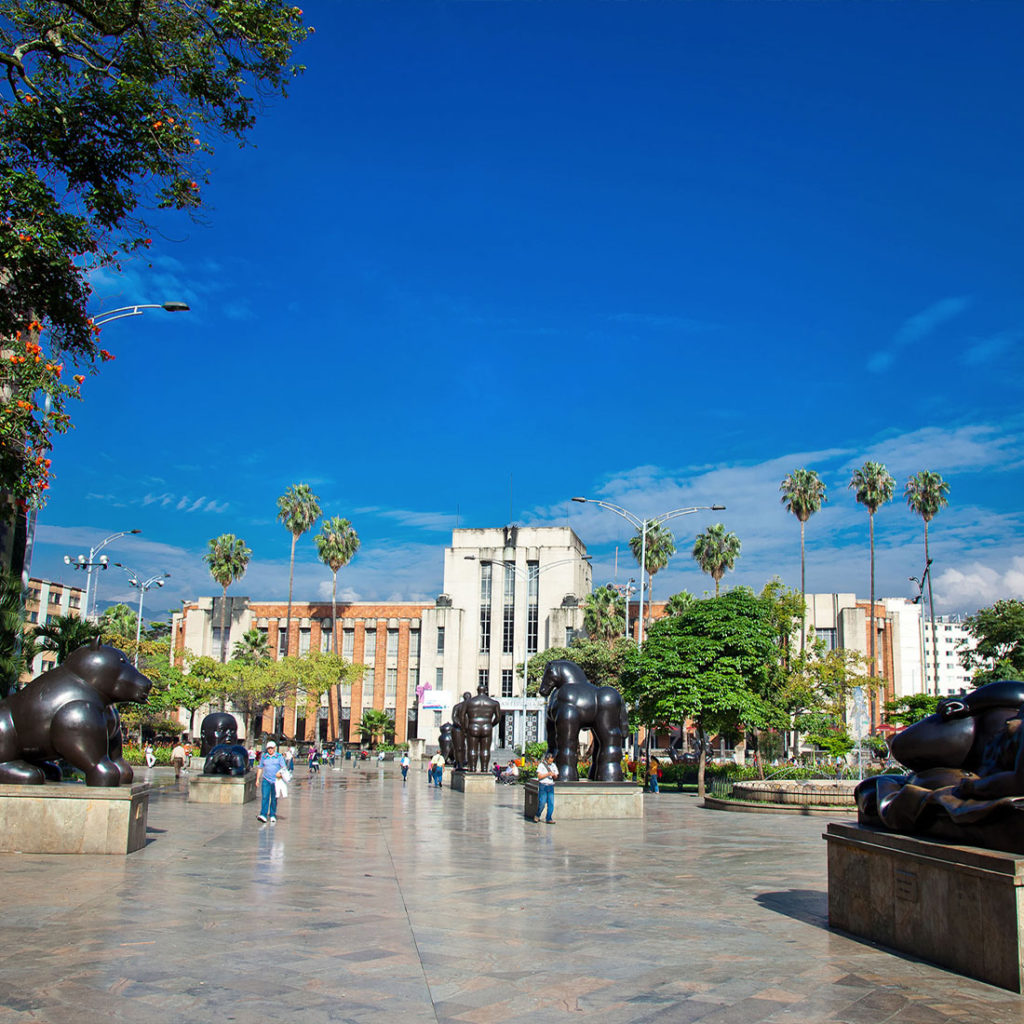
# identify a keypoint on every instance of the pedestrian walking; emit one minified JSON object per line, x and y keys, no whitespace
{"x":436,"y":774}
{"x":271,"y":766}
{"x":547,"y":772}
{"x":405,"y":765}
{"x":178,"y":759}
{"x":654,"y":775}
{"x":314,"y":761}
{"x":150,"y":756}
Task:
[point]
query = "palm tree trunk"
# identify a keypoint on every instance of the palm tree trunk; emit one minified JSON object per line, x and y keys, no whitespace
{"x":803,"y":592}
{"x":288,"y":617}
{"x":334,"y":650}
{"x":871,"y":531}
{"x":931,"y":612}
{"x":223,"y":616}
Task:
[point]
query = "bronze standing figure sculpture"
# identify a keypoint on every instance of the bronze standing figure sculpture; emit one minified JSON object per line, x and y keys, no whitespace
{"x":444,"y":743}
{"x":480,"y":714}
{"x":459,"y":731}
{"x":69,"y":712}
{"x":575,"y":703}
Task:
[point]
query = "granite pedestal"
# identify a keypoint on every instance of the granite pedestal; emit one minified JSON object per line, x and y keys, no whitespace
{"x":473,"y":782}
{"x":68,"y":817}
{"x":585,"y":799}
{"x":222,"y":789}
{"x":961,"y":907}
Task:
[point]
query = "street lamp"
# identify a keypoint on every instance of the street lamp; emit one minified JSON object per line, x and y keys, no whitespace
{"x":90,"y":563}
{"x":526,"y":575}
{"x":99,"y":320}
{"x":642,"y":525}
{"x":627,"y":589}
{"x":926,"y":579}
{"x":135,"y":581}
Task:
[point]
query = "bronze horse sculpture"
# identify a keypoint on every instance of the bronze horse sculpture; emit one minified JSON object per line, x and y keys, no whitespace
{"x":576,"y":703}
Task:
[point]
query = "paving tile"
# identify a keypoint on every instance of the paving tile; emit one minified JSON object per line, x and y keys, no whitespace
{"x":372,"y":902}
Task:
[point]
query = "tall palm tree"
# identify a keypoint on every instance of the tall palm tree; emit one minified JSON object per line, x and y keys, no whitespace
{"x":678,"y":603}
{"x":926,"y":495}
{"x":298,"y":508}
{"x":873,"y":486}
{"x":228,"y":558}
{"x":803,"y":494}
{"x":716,"y":551}
{"x":336,"y":544}
{"x":659,"y":548}
{"x":66,"y":633}
{"x":604,"y":614}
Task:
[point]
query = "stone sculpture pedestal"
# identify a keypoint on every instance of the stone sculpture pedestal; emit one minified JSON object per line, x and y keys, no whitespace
{"x":67,"y":817}
{"x":581,"y":800}
{"x":960,"y":907}
{"x":473,"y":782}
{"x":222,"y":789}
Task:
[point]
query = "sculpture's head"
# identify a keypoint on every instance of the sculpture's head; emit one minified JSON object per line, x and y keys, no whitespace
{"x":218,"y":727}
{"x":560,"y":671}
{"x":957,"y":734}
{"x":108,"y":671}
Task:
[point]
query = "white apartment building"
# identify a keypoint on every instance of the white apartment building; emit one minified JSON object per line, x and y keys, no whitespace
{"x":509,"y":593}
{"x":45,"y":600}
{"x":950,"y":636}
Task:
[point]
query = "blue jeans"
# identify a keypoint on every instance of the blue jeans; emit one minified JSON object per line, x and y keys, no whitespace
{"x":546,"y":797}
{"x":652,"y":781}
{"x":268,"y":806}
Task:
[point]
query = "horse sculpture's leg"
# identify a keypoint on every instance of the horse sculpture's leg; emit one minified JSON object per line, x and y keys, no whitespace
{"x":609,"y":728}
{"x":567,"y":731}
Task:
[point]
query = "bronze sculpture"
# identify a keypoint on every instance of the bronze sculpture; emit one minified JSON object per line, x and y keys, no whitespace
{"x":224,"y":754}
{"x":69,"y":712}
{"x":967,"y":773}
{"x":459,"y":731}
{"x":576,"y":703}
{"x":479,"y":715}
{"x":444,"y":743}
{"x":217,"y":727}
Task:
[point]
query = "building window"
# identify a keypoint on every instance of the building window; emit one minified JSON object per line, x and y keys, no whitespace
{"x":390,"y":684}
{"x":483,"y":678}
{"x":75,"y":602}
{"x":33,"y":616}
{"x":486,"y":574}
{"x":325,"y":640}
{"x":414,"y":677}
{"x":532,"y":596}
{"x":54,"y":597}
{"x":570,"y":635}
{"x":439,"y":678}
{"x":348,"y":643}
{"x":506,"y":682}
{"x":370,"y":646}
{"x":304,"y":635}
{"x":829,"y":637}
{"x":414,"y":643}
{"x":440,"y":639}
{"x":392,"y":643}
{"x":282,"y":641}
{"x":215,"y":640}
{"x":508,"y":610}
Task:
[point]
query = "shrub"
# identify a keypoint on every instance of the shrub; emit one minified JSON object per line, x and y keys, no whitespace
{"x":535,"y":751}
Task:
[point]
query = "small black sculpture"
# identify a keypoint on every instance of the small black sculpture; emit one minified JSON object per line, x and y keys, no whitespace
{"x":576,"y":703}
{"x":967,"y":783}
{"x":479,"y":714}
{"x":218,"y":727}
{"x":444,"y":743}
{"x":227,"y":759}
{"x":459,"y":747}
{"x":69,"y":712}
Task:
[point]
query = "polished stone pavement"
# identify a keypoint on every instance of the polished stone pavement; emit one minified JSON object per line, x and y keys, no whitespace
{"x":373,"y":902}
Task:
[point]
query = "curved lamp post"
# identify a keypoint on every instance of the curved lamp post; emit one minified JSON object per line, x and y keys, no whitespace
{"x":526,"y":575}
{"x":642,"y":525}
{"x":99,"y":320}
{"x":135,"y":580}
{"x":91,"y":562}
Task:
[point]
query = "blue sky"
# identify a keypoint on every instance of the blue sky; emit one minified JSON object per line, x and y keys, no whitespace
{"x":488,"y":256}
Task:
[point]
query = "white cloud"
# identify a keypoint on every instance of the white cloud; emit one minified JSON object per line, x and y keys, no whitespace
{"x":916,"y":328}
{"x":976,"y":584}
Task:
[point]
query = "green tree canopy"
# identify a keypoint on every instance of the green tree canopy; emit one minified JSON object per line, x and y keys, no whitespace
{"x":253,"y":648}
{"x":656,"y":549}
{"x":713,"y":663}
{"x":119,"y":621}
{"x":602,"y":662}
{"x":910,"y":709}
{"x":109,"y":109}
{"x":66,"y":633}
{"x":998,"y":632}
{"x":376,"y":723}
{"x":336,"y":544}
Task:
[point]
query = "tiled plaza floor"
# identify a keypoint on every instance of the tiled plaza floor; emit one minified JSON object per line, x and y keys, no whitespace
{"x":373,"y":902}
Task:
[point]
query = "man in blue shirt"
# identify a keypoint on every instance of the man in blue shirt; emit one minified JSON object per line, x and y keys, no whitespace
{"x":271,"y":765}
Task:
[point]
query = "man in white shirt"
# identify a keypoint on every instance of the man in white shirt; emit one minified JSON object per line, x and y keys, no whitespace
{"x":547,"y":772}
